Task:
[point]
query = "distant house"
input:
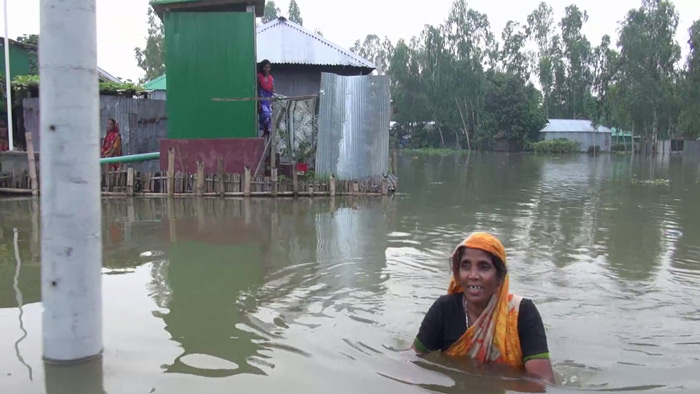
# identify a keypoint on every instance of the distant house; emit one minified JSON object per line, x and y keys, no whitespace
{"x":579,"y":130}
{"x":298,"y":58}
{"x":156,"y":88}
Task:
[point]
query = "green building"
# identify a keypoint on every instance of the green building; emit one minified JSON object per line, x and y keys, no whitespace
{"x":210,"y":54}
{"x":20,"y":56}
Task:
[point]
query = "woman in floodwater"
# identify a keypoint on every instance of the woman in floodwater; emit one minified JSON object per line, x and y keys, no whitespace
{"x":266,"y":89}
{"x":480,"y":319}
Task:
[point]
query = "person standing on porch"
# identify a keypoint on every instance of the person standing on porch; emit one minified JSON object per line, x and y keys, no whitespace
{"x":266,"y":89}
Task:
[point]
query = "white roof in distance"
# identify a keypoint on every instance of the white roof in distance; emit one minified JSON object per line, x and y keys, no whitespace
{"x":282,"y":41}
{"x":572,"y":126}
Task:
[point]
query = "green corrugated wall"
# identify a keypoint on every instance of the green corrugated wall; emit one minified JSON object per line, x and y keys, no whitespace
{"x":210,"y":55}
{"x":19,"y":60}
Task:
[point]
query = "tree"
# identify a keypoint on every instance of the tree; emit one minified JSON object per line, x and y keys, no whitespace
{"x":689,"y":122}
{"x":376,"y":50}
{"x":512,"y":57}
{"x":605,"y":70}
{"x":512,"y":108}
{"x":152,"y":58}
{"x":272,"y":12}
{"x":295,"y":13}
{"x":540,"y":29}
{"x":577,"y":55}
{"x":648,"y":55}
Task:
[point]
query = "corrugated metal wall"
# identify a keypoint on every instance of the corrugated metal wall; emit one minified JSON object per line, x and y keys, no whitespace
{"x":210,"y":55}
{"x":353,"y":135}
{"x":142,"y":123}
{"x":587,"y":140}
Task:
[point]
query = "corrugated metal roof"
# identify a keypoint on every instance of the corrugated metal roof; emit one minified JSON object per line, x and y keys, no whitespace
{"x":572,"y":126}
{"x":105,"y":76}
{"x":159,"y":83}
{"x":284,"y":42}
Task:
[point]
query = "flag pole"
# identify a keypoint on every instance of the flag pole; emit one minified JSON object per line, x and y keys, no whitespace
{"x":8,"y":84}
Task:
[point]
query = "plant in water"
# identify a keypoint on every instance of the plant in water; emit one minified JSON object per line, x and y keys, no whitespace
{"x":561,"y":145}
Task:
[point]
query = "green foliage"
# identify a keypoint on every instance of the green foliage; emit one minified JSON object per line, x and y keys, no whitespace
{"x":654,"y":182}
{"x":272,"y":12}
{"x":24,"y":82}
{"x":152,"y":58}
{"x":295,"y":13}
{"x":561,"y":145}
{"x":689,"y":122}
{"x":115,"y":88}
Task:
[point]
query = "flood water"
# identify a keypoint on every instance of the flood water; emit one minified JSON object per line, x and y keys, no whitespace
{"x":318,"y":296}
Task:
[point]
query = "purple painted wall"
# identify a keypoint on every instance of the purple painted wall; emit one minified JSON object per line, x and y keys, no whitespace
{"x":237,"y":153}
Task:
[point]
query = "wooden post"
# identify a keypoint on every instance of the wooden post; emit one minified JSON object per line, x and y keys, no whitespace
{"x":220,"y":174}
{"x":332,"y":185}
{"x":171,"y":172}
{"x":275,"y":186}
{"x":108,"y":179}
{"x":246,"y":182}
{"x":355,"y":188}
{"x":311,"y":190}
{"x":385,"y":186}
{"x":200,"y":179}
{"x":394,"y":164}
{"x":273,"y":145}
{"x":130,"y":181}
{"x":32,"y":164}
{"x":295,"y":183}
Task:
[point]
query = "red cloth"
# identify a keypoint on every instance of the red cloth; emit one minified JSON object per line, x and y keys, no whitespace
{"x":110,"y":140}
{"x":266,"y":82}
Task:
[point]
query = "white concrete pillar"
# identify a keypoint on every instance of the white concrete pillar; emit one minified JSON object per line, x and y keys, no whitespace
{"x":71,"y":242}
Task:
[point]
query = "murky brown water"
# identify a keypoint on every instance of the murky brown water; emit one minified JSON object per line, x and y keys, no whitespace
{"x":326,"y":296}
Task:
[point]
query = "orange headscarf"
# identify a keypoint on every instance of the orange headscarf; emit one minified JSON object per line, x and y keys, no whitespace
{"x":493,"y":338}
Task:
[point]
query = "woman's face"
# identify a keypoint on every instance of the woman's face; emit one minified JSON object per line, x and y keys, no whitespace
{"x":478,"y":276}
{"x":110,"y":124}
{"x":266,"y":69}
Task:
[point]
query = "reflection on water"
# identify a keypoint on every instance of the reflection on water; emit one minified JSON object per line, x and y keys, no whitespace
{"x":312,"y":295}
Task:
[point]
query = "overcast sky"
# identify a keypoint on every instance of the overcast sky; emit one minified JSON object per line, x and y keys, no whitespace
{"x":121,"y":24}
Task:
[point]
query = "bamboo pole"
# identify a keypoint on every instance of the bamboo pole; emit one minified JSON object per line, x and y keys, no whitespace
{"x":246,"y":182}
{"x":200,"y":179}
{"x":171,"y":171}
{"x":220,"y":174}
{"x":273,"y":146}
{"x":130,"y":181}
{"x":332,"y":185}
{"x":394,"y":164}
{"x":31,"y":158}
{"x":295,"y":181}
{"x":71,"y":210}
{"x":275,"y":184}
{"x":385,"y":186}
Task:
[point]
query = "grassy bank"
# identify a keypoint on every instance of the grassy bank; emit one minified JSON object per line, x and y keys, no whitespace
{"x":431,"y":151}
